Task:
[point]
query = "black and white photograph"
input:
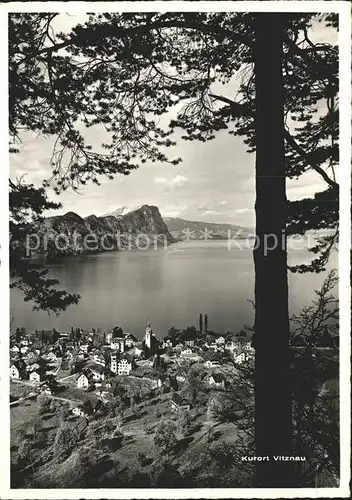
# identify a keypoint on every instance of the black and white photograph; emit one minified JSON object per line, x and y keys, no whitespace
{"x":175,"y":249}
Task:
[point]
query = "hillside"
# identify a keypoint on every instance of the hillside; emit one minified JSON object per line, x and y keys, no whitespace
{"x":70,"y":234}
{"x":134,"y":462}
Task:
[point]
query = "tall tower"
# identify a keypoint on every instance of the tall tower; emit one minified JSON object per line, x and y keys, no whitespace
{"x":122,"y":345}
{"x":148,"y":336}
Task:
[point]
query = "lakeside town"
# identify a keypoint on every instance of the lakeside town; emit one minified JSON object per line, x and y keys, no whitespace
{"x":82,"y":379}
{"x":111,"y":410}
{"x":91,"y":361}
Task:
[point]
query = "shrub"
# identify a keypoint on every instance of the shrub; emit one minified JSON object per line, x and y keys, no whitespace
{"x":44,"y":401}
{"x":142,"y":459}
{"x":66,"y":440}
{"x":184,"y":423}
{"x":165,"y":436}
{"x":148,"y":428}
{"x":25,"y":452}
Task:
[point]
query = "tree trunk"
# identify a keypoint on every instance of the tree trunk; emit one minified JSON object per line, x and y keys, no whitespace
{"x":273,"y":413}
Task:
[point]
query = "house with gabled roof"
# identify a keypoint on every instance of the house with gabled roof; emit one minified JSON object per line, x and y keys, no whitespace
{"x":25,"y":341}
{"x":84,"y":348}
{"x":181,"y":376}
{"x":98,"y":357}
{"x":83,"y":409}
{"x":130,"y":340}
{"x":18,"y":369}
{"x":31,"y":354}
{"x":220,"y":340}
{"x":241,"y":358}
{"x":178,"y":403}
{"x":50,"y":356}
{"x":166,"y":343}
{"x":79,"y":411}
{"x":15,"y":349}
{"x":37,"y":376}
{"x":178,"y":348}
{"x":211,"y":363}
{"x":32,"y":365}
{"x":84,"y":380}
{"x":137,"y":349}
{"x":217,"y":380}
{"x":230,"y":346}
{"x":45,"y":388}
{"x":98,"y":371}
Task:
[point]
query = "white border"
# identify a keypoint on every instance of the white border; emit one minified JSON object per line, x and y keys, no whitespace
{"x":344,"y":10}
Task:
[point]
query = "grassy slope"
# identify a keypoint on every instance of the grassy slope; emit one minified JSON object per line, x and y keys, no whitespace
{"x":136,"y":440}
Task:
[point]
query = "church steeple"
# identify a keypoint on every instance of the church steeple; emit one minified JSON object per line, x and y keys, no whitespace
{"x":148,"y":335}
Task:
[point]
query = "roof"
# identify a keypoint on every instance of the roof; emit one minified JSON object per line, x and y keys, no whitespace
{"x":85,"y":374}
{"x":177,"y":399}
{"x":79,"y":405}
{"x":127,"y":357}
{"x":81,"y":425}
{"x":31,"y":350}
{"x":39,"y":371}
{"x":98,"y":404}
{"x":94,"y":367}
{"x":20,"y":366}
{"x":97,"y":352}
{"x":131,"y":337}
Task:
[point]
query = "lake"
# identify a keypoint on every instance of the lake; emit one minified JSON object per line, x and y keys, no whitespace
{"x":168,"y":287}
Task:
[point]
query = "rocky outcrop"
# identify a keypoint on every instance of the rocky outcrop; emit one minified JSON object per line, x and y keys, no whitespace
{"x":71,"y":234}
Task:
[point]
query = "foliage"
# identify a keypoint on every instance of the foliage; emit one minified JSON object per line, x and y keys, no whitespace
{"x":24,"y":451}
{"x":87,"y":406}
{"x":21,"y":434}
{"x":142,"y":459}
{"x":66,"y":440}
{"x":165,"y":474}
{"x":315,"y":384}
{"x":184,"y":423}
{"x":61,"y":81}
{"x":44,"y":401}
{"x":27,"y":204}
{"x":165,"y":437}
{"x":148,"y":428}
{"x":222,"y":454}
{"x":194,"y":388}
{"x":62,"y":411}
{"x":221,"y":407}
{"x":88,"y":459}
{"x":34,"y":427}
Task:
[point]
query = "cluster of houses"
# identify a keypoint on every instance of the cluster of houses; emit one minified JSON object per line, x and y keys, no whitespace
{"x":35,"y":361}
{"x":240,"y":349}
{"x":30,"y":360}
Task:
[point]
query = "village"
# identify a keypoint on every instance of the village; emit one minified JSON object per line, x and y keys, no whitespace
{"x":82,"y":366}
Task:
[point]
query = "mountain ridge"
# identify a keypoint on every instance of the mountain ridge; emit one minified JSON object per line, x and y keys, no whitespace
{"x":198,"y":229}
{"x":69,"y":234}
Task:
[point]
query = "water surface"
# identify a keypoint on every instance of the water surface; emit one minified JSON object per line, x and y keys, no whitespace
{"x":167,"y":287}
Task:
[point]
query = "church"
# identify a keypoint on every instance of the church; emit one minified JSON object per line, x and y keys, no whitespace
{"x":150,"y":340}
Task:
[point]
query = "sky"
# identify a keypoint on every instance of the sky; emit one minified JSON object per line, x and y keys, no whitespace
{"x":213,"y":183}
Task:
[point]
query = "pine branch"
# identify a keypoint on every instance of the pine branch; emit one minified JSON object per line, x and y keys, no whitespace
{"x":242,"y":110}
